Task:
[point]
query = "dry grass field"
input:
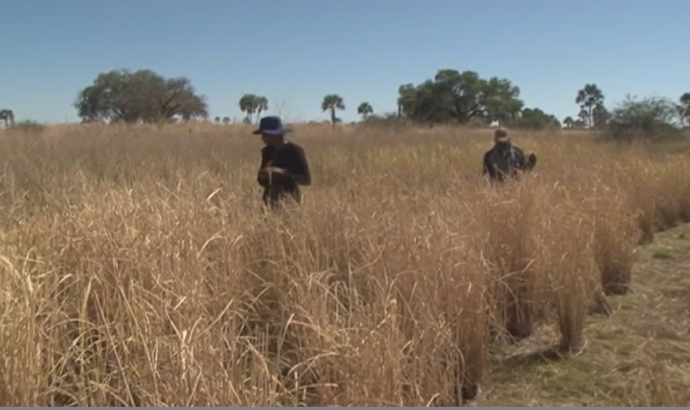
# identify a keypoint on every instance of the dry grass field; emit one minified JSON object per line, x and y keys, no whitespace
{"x":137,"y":268}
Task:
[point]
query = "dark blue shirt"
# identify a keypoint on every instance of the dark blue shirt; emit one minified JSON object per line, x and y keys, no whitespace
{"x":292,"y":158}
{"x":503,"y":162}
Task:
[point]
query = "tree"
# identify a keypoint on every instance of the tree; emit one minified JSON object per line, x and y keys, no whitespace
{"x":251,"y":104}
{"x":140,"y":96}
{"x":333,"y":103}
{"x":684,"y":108}
{"x":226,"y":120}
{"x":569,"y":122}
{"x":216,"y":120}
{"x":651,"y":119}
{"x":589,"y":98}
{"x":261,"y":105}
{"x":7,"y":116}
{"x":453,"y":96}
{"x":365,"y":109}
{"x":600,"y":116}
{"x":534,"y":118}
{"x":248,"y":105}
{"x":500,"y":102}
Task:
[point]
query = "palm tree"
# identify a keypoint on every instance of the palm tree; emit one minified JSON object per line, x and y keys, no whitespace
{"x":248,"y":105}
{"x":253,"y":104}
{"x":365,"y":109}
{"x":8,"y":117}
{"x":582,"y":118}
{"x":261,"y":104}
{"x":333,"y":102}
{"x":589,"y":98}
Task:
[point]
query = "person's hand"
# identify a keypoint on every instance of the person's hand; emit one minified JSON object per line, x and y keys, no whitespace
{"x":275,"y":170}
{"x":263,"y":176}
{"x":531,"y":161}
{"x":271,"y":170}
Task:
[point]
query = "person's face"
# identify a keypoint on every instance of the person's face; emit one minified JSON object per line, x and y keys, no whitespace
{"x":503,"y":143}
{"x":271,"y":140}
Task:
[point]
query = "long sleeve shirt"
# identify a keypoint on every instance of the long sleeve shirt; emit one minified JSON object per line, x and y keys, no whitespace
{"x":292,"y":158}
{"x":504,"y":163}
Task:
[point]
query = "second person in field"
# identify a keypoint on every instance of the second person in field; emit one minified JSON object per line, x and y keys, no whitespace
{"x":284,"y":166}
{"x":506,"y":160}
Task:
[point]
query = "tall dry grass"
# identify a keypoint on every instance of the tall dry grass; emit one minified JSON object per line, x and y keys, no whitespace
{"x":138,"y":268}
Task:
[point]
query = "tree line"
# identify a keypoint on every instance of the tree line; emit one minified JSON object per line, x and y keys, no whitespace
{"x":449,"y":97}
{"x":7,"y":116}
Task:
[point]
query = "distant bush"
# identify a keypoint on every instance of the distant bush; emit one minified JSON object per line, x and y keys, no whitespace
{"x":651,"y":119}
{"x":384,"y":121}
{"x":534,"y":119}
{"x":28,"y":127}
{"x":476,"y":122}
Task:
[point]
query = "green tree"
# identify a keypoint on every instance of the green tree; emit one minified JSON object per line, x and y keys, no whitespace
{"x":453,"y":96}
{"x":333,"y":103}
{"x":600,"y":116}
{"x":216,"y":120}
{"x":684,"y":108}
{"x":407,"y":97}
{"x":7,"y":116}
{"x":251,"y":104}
{"x":140,"y":96}
{"x":261,"y":106}
{"x":499,"y":99}
{"x":589,"y":98}
{"x":651,"y":119}
{"x":534,"y":118}
{"x":569,"y":122}
{"x":226,"y":120}
{"x":365,"y":109}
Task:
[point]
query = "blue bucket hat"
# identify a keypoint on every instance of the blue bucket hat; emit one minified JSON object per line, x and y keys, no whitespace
{"x":271,"y":125}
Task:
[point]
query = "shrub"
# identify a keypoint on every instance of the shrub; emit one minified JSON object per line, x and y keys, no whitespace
{"x":28,"y":127}
{"x":652,"y":119}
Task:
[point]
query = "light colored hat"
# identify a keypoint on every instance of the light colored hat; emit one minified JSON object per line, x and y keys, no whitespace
{"x":501,"y":135}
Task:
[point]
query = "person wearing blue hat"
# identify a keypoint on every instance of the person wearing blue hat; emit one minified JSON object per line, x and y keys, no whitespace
{"x":284,"y":166}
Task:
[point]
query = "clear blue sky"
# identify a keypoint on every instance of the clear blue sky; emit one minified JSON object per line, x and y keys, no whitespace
{"x":296,"y":51}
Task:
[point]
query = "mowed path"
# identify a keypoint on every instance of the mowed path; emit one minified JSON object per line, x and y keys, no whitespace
{"x":639,"y":356}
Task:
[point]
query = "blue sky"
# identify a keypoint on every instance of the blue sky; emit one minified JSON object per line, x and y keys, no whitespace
{"x":296,"y":51}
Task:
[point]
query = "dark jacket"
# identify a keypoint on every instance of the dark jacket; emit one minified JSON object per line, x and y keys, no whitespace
{"x":506,"y":162}
{"x":292,"y":159}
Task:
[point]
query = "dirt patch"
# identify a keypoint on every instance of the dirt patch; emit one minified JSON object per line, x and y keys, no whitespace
{"x":640,"y":356}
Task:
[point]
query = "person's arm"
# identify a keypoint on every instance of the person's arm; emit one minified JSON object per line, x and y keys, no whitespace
{"x":486,"y":167}
{"x":299,"y":167}
{"x":520,"y":159}
{"x":527,"y":162}
{"x":262,"y":177}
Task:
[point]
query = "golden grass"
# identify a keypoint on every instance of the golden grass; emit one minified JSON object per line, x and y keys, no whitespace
{"x":138,"y":268}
